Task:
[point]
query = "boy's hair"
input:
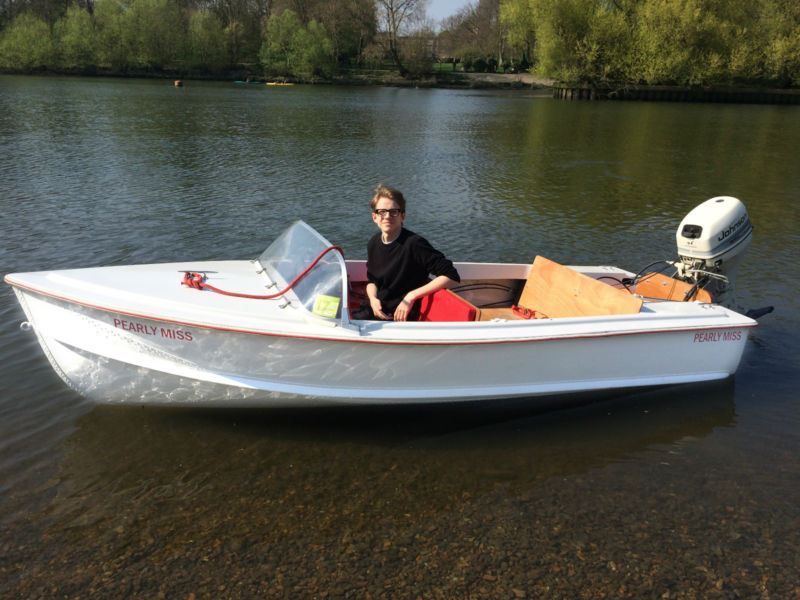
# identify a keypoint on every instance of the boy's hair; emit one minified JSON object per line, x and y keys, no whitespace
{"x":384,"y":191}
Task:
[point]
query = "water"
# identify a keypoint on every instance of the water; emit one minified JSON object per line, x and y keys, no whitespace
{"x":684,"y":492}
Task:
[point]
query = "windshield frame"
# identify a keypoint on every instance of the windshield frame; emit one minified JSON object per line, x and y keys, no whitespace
{"x":322,"y":291}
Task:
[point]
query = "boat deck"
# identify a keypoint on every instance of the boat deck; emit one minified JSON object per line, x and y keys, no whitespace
{"x":154,"y":292}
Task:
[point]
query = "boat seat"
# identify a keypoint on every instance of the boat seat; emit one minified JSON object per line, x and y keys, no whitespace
{"x":444,"y":305}
{"x":554,"y":291}
{"x":357,"y":294}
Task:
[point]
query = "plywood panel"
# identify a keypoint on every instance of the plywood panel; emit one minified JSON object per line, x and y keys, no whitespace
{"x":558,"y":291}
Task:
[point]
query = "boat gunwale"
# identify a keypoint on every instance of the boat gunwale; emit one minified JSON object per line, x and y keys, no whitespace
{"x":360,"y":337}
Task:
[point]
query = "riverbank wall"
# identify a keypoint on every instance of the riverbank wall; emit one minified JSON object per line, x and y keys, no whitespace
{"x":678,"y":94}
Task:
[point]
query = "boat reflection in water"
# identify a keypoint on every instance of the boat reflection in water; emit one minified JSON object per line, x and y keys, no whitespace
{"x":344,"y":463}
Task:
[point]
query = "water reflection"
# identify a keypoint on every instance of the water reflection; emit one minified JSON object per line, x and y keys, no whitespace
{"x":688,"y":490}
{"x":337,"y":469}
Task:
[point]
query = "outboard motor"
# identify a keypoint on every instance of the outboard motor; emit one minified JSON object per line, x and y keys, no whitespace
{"x":711,"y":241}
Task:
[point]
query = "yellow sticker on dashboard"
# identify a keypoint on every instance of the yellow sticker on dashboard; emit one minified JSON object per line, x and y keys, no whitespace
{"x":326,"y":306}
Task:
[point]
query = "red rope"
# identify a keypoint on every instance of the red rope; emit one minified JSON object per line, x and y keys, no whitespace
{"x":196,"y":280}
{"x":527,"y":313}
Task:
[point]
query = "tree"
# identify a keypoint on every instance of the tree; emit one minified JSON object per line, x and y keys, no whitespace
{"x":312,"y":52}
{"x":782,"y":48}
{"x":276,"y":50}
{"x":27,"y":44}
{"x":207,"y":50}
{"x":696,"y":42}
{"x":111,"y":53}
{"x":291,"y":49}
{"x":77,"y":39}
{"x":153,"y":33}
{"x":475,"y":35}
{"x":577,"y":40}
{"x":519,"y":28}
{"x":350,"y":25}
{"x":783,"y":58}
{"x":396,"y":18}
{"x":242,"y":22}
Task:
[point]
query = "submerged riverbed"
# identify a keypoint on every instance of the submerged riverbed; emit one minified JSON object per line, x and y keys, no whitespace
{"x":683,"y":492}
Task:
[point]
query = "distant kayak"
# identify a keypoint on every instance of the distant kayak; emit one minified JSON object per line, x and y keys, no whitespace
{"x":279,"y":83}
{"x":249,"y":82}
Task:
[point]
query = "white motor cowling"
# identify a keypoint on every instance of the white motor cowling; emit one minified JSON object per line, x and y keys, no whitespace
{"x":711,"y":242}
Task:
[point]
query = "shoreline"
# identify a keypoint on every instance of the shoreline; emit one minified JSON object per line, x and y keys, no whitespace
{"x":668,"y":93}
{"x":493,"y":81}
{"x":355,"y":78}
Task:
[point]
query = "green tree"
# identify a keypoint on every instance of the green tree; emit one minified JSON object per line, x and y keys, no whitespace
{"x":313,"y":52}
{"x":27,"y":44}
{"x":694,"y":42}
{"x":681,"y":42}
{"x":783,"y":58}
{"x":242,"y":21}
{"x":207,"y":44}
{"x":276,"y":50}
{"x":290,"y":49}
{"x":782,"y":48}
{"x":519,"y":28}
{"x":153,"y":33}
{"x":580,"y":40}
{"x":77,"y":39}
{"x":350,"y":24}
{"x":108,"y":18}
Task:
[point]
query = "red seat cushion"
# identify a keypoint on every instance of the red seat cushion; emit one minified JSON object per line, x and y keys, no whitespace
{"x":444,"y":305}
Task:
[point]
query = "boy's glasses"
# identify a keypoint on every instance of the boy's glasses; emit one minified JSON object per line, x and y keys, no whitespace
{"x":392,"y":212}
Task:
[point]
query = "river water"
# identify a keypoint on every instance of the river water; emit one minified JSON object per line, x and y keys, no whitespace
{"x":684,"y":492}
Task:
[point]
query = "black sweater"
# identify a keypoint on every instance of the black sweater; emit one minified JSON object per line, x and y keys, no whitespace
{"x":403,"y":265}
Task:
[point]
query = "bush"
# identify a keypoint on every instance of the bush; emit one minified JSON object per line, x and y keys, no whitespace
{"x":479,"y":65}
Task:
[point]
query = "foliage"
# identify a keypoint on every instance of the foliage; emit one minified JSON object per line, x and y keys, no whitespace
{"x":27,"y":44}
{"x":313,"y":52}
{"x":206,"y":43}
{"x":153,"y":33}
{"x":579,"y":40}
{"x":178,"y":36}
{"x":77,"y":39}
{"x":108,"y":18}
{"x":677,"y":43}
{"x":783,"y":58}
{"x":680,"y":42}
{"x":782,"y":54}
{"x":291,"y":49}
{"x":418,"y":55}
{"x":599,"y":42}
{"x":520,"y":28}
{"x":351,"y":26}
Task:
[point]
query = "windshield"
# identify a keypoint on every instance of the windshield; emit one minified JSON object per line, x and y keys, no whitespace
{"x":321,"y":291}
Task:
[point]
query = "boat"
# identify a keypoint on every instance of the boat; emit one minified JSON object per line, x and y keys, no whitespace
{"x":277,"y":331}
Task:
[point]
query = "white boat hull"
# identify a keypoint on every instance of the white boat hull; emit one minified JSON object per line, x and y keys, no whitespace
{"x":116,"y":357}
{"x":277,"y":331}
